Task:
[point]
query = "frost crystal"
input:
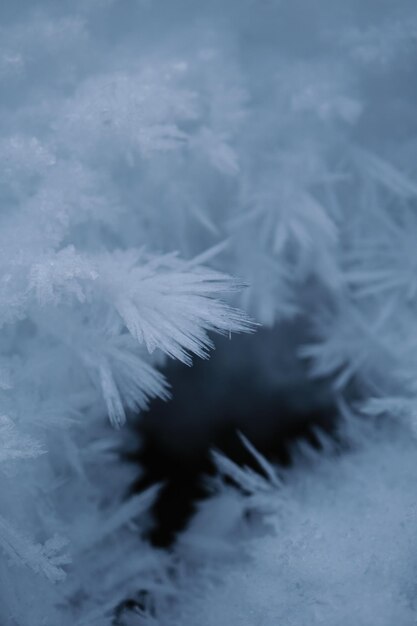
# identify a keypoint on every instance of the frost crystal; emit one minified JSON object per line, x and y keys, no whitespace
{"x":169,"y":171}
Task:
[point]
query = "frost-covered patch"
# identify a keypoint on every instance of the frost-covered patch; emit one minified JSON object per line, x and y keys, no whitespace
{"x":331,"y":541}
{"x":169,"y":171}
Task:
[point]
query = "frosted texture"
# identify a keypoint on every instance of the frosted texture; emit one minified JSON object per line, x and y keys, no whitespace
{"x":339,"y":546}
{"x":155,"y":158}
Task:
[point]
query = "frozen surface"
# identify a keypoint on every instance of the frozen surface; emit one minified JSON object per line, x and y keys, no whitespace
{"x":336,"y":544}
{"x":155,"y":157}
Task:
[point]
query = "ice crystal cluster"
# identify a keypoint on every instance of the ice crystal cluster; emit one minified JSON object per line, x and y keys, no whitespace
{"x":173,"y":168}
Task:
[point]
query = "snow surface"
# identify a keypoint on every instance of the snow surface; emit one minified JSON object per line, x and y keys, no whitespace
{"x":337,"y":545}
{"x":174,"y":169}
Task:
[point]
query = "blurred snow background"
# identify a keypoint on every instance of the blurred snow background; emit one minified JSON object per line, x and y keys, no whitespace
{"x":155,"y":158}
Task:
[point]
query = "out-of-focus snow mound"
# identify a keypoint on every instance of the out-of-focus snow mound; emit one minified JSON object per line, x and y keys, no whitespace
{"x":332,"y":542}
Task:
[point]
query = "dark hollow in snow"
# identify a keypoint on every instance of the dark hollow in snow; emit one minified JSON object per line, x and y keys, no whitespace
{"x":254,"y":384}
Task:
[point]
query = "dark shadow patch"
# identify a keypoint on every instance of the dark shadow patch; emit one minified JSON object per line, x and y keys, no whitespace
{"x":253,"y":384}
